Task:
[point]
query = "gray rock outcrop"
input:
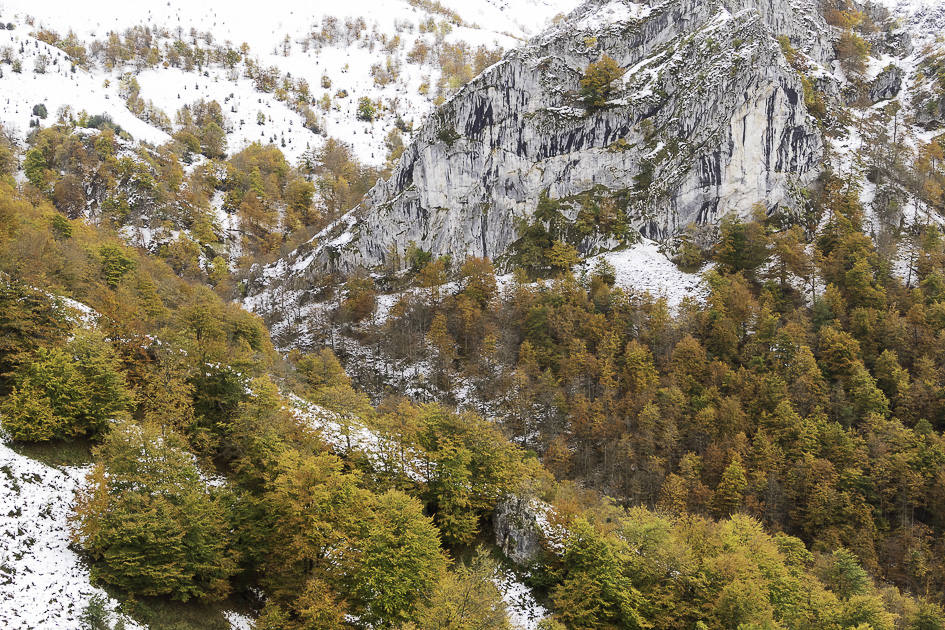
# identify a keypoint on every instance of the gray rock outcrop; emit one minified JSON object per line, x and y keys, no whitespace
{"x":707,"y":119}
{"x":516,"y":524}
{"x":887,"y":84}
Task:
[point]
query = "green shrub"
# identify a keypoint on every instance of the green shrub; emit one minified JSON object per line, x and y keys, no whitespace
{"x":366,"y":109}
{"x":66,"y":393}
{"x":149,"y":521}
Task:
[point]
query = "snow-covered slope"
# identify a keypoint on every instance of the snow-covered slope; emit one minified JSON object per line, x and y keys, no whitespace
{"x":43,"y":583}
{"x":923,"y":17}
{"x":58,"y":85}
{"x":263,"y":26}
{"x":287,"y":36}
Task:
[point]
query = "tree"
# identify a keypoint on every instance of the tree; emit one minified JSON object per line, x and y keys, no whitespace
{"x":443,"y":345}
{"x":852,"y":51}
{"x":741,"y":246}
{"x":844,"y":575}
{"x":116,"y":262}
{"x":150,"y":522}
{"x":594,"y":592}
{"x":366,"y":109}
{"x":29,"y":320}
{"x":466,"y":598}
{"x":360,"y":298}
{"x":95,"y":615}
{"x":400,"y":561}
{"x":562,"y":257}
{"x":213,"y":140}
{"x":319,"y":608}
{"x":455,"y":515}
{"x":730,"y":493}
{"x":597,"y":82}
{"x":64,"y":393}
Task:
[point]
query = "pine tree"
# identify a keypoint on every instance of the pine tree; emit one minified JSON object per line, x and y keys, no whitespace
{"x":844,"y":574}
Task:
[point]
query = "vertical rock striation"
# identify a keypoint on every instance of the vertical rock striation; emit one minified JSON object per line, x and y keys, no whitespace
{"x":707,"y":119}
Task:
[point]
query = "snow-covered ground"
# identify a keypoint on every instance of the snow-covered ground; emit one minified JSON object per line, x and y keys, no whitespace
{"x":643,"y":268}
{"x":43,"y":583}
{"x":279,"y":36}
{"x":925,"y":16}
{"x":524,"y":611}
{"x":58,"y":87}
{"x":265,"y":26}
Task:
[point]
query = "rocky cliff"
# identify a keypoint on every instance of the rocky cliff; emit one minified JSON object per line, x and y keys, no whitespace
{"x":708,"y":118}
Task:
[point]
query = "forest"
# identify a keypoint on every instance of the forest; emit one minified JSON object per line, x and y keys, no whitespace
{"x":769,"y":455}
{"x":770,"y":458}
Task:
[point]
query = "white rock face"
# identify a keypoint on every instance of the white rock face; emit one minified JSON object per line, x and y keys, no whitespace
{"x":708,"y":119}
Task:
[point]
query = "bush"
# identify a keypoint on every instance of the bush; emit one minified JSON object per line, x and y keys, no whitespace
{"x":366,"y":109}
{"x":66,"y":393}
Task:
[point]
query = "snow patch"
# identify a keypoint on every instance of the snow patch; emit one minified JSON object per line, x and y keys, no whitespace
{"x":43,"y":583}
{"x":643,"y":268}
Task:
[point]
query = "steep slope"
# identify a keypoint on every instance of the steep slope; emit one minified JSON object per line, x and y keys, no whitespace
{"x":43,"y":583}
{"x":708,"y":118}
{"x":342,"y":51}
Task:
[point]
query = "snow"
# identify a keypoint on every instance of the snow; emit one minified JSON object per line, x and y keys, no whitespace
{"x":643,"y":268}
{"x":338,"y":432}
{"x":85,"y":315}
{"x":524,"y":611}
{"x":59,"y":87}
{"x":264,"y":27}
{"x":494,"y":24}
{"x":614,"y":11}
{"x":238,"y":621}
{"x":43,"y":583}
{"x":926,"y":18}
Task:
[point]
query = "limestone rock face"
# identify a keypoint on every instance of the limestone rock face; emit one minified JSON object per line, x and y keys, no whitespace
{"x":517,"y":530}
{"x":887,"y":84}
{"x":930,"y":113}
{"x":707,"y":119}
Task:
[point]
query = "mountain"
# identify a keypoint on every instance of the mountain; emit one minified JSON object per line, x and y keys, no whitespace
{"x":710,"y":116}
{"x":358,"y":48}
{"x":514,"y":314}
{"x":706,"y":97}
{"x":707,"y":118}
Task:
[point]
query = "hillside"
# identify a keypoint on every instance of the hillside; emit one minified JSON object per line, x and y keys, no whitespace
{"x":493,"y":314}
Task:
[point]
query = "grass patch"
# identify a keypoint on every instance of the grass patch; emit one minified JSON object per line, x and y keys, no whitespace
{"x":163,"y":614}
{"x":58,"y":454}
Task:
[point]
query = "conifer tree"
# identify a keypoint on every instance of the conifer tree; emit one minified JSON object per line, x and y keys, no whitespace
{"x":730,"y":494}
